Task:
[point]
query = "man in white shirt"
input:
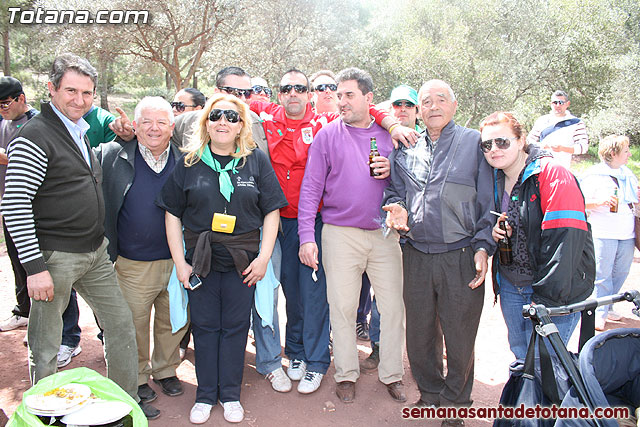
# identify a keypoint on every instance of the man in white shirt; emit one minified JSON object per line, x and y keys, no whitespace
{"x":560,"y":132}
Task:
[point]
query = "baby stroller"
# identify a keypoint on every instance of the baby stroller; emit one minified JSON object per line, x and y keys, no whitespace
{"x":607,"y":375}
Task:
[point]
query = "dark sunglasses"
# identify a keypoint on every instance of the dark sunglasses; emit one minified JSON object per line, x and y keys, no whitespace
{"x":239,"y":93}
{"x":323,"y":87}
{"x":180,"y":106}
{"x":501,"y":143}
{"x":298,"y":88}
{"x":230,"y":115}
{"x":403,"y":104}
{"x":258,"y":89}
{"x":558,"y":102}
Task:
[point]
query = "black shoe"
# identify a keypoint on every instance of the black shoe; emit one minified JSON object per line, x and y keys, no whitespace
{"x":170,"y":386}
{"x":150,"y":411}
{"x":371,"y":362}
{"x":146,"y":393}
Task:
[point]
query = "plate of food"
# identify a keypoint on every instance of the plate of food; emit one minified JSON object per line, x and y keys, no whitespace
{"x":97,"y":412}
{"x":58,"y":401}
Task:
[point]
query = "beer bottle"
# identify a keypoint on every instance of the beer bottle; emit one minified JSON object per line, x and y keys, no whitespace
{"x":504,"y":246}
{"x":614,"y":208}
{"x":373,"y":153}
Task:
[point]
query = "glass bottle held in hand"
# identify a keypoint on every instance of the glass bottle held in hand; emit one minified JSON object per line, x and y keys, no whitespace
{"x":504,"y":245}
{"x":373,"y":153}
{"x":614,"y":207}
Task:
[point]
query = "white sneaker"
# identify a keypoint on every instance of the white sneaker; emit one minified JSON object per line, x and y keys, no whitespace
{"x":14,"y":322}
{"x":200,"y":413}
{"x":66,"y":353}
{"x":615,"y":316}
{"x":297,"y":369}
{"x":233,"y":411}
{"x":310,"y":382}
{"x":279,"y":380}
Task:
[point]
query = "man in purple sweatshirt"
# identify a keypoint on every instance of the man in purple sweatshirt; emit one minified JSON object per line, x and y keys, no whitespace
{"x":338,"y":173}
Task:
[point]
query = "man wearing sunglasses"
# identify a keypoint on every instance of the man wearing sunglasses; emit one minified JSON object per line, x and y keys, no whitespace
{"x":290,"y":129}
{"x":404,"y":106}
{"x":441,"y":194}
{"x":14,"y":112}
{"x":324,"y":86}
{"x":261,"y":91}
{"x":560,"y":132}
{"x":188,"y":99}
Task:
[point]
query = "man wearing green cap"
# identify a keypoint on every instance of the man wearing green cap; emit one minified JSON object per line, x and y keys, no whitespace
{"x":404,"y":106}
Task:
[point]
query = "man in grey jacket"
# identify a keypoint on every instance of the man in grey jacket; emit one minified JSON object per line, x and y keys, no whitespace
{"x":134,"y":173}
{"x":440,"y":195}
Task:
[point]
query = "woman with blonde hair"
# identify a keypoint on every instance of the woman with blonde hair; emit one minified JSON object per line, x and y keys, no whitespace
{"x":222,"y":192}
{"x":611,"y":191}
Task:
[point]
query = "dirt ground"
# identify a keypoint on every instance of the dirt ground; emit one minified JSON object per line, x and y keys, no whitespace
{"x":265,"y":407}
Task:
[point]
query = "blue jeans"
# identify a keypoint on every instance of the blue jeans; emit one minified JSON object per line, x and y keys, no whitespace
{"x":613,"y":261}
{"x":268,"y":346}
{"x":307,"y":307}
{"x":70,"y":329}
{"x":364,"y":305}
{"x":374,"y":324}
{"x":519,"y":329}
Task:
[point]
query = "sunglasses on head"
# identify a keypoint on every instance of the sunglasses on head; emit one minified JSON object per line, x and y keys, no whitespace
{"x":326,"y":86}
{"x":558,"y":102}
{"x":407,"y":104}
{"x":501,"y":143}
{"x":239,"y":93}
{"x":180,"y":106}
{"x":259,"y":89}
{"x":230,"y":115}
{"x":298,"y":88}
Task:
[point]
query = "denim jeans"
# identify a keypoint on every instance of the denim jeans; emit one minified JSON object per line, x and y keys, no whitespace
{"x":519,"y":329}
{"x":613,"y":261}
{"x":364,"y":306}
{"x":93,"y":276}
{"x":268,"y":347}
{"x":307,"y":335}
{"x":374,"y":323}
{"x":70,"y":329}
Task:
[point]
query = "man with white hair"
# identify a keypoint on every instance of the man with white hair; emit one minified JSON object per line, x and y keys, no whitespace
{"x":441,"y":192}
{"x":133,"y":174}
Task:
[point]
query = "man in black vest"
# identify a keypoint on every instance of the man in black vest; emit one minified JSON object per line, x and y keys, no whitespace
{"x":54,"y":209}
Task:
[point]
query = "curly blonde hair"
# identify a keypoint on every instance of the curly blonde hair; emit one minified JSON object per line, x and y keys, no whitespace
{"x":201,"y":138}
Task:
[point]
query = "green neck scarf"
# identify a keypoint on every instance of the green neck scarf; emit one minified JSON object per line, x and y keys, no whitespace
{"x":226,"y":187}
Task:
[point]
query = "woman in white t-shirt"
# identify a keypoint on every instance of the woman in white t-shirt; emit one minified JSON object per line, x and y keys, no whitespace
{"x":606,"y":185}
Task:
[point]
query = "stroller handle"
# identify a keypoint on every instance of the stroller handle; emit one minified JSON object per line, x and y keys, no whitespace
{"x":533,"y":310}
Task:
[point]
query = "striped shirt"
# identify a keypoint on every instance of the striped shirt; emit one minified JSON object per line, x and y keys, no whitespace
{"x":420,"y":156}
{"x":25,"y":174}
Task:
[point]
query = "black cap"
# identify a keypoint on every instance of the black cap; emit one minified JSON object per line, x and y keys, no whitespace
{"x":9,"y":87}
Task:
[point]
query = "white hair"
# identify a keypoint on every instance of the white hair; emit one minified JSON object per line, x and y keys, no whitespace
{"x":433,"y":82}
{"x":153,"y":103}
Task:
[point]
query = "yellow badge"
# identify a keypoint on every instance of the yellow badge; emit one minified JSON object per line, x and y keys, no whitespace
{"x":223,"y":223}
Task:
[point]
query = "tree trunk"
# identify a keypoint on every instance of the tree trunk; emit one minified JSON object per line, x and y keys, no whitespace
{"x":103,"y":81}
{"x":6,"y":62}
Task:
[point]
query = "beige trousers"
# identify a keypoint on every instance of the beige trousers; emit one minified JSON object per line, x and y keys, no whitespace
{"x":144,"y":285}
{"x":347,"y":253}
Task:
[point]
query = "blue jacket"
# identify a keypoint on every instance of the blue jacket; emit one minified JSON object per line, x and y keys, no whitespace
{"x":452,"y":210}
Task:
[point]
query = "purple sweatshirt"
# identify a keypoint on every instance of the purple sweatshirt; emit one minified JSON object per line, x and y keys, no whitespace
{"x":337,"y":173}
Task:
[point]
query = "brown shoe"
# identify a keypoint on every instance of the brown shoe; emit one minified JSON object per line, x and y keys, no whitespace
{"x":346,"y":391}
{"x":396,"y":390}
